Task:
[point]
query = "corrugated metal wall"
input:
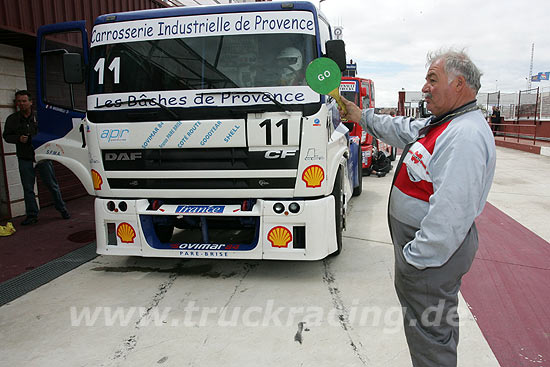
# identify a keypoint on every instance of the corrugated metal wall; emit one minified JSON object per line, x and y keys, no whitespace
{"x":19,"y":21}
{"x":25,"y":16}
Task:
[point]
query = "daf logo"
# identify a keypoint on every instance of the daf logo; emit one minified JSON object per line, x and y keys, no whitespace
{"x":122,"y":156}
{"x":276,"y":154}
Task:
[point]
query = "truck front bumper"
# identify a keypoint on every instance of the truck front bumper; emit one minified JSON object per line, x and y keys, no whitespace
{"x":267,"y":230}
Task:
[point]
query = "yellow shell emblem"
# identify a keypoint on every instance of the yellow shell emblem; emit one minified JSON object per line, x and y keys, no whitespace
{"x":313,"y":176}
{"x":126,"y":233}
{"x":96,"y":179}
{"x":279,"y":236}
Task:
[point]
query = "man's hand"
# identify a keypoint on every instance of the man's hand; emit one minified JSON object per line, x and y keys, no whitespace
{"x":24,"y":139}
{"x":353,"y":113}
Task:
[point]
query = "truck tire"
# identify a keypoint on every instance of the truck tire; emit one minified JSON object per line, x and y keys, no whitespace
{"x":339,"y":213}
{"x":393,"y":154}
{"x":359,"y":189}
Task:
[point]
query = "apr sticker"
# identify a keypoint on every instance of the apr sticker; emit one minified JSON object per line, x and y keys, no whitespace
{"x":114,"y":135}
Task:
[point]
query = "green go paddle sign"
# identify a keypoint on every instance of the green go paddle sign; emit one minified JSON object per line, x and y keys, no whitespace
{"x":323,"y":76}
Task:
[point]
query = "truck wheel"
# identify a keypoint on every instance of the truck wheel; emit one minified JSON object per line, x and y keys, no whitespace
{"x":339,"y":213}
{"x":164,"y":232}
{"x":367,"y":171}
{"x":393,"y":154}
{"x":359,"y":189}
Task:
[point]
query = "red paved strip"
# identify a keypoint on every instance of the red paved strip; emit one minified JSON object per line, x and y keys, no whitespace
{"x":508,"y":290}
{"x":49,"y":239}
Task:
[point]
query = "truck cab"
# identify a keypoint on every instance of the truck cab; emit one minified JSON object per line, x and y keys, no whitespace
{"x":361,"y":91}
{"x":200,"y":137}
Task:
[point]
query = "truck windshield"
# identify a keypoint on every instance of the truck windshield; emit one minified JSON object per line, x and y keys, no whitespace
{"x":219,"y":62}
{"x":350,"y":96}
{"x":181,"y":67}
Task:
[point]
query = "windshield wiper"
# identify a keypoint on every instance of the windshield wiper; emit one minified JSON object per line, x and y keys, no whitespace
{"x":267,"y":94}
{"x":148,"y":100}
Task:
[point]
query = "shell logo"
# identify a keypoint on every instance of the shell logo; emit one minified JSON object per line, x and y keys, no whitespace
{"x":279,"y":236}
{"x":96,"y":179}
{"x":313,"y":176}
{"x":126,"y":233}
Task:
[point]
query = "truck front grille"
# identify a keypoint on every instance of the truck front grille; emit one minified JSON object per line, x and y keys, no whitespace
{"x":202,"y":184}
{"x":211,"y":159}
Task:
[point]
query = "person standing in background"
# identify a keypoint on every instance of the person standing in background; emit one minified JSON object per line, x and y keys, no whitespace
{"x":20,"y":127}
{"x":495,"y":119}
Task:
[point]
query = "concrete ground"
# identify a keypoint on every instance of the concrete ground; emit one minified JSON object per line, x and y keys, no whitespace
{"x":342,"y":311}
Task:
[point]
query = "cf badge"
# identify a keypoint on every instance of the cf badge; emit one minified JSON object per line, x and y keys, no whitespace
{"x":276,"y":154}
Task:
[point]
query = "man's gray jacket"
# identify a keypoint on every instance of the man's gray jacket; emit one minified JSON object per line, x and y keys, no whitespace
{"x":443,"y":183}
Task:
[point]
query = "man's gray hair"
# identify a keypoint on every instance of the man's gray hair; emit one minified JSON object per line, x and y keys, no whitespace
{"x":458,"y":63}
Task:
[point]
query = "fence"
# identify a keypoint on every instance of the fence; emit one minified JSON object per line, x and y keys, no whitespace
{"x":528,"y":103}
{"x":524,"y":115}
{"x":544,"y":103}
{"x":531,"y":104}
{"x":516,"y":132}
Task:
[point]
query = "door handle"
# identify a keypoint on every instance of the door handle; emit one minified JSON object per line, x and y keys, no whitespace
{"x":83,"y":135}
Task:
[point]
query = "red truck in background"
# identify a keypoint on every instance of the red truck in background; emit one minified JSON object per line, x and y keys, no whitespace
{"x":361,"y":92}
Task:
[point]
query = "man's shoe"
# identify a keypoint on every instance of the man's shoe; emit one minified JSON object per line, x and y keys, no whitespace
{"x":29,"y":220}
{"x":65,"y":214}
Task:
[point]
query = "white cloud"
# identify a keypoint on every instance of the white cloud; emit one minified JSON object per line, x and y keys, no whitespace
{"x":389,"y":39}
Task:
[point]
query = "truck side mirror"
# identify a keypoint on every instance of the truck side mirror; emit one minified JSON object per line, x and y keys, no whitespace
{"x":73,"y":72}
{"x":336,"y":50}
{"x":363,"y":91}
{"x":423,"y":109}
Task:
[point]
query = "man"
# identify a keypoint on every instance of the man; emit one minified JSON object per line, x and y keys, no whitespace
{"x":495,"y":119}
{"x":290,"y":62}
{"x":440,"y":187}
{"x":20,"y":127}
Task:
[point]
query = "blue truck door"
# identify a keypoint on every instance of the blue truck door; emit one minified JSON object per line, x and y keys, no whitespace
{"x":61,"y":106}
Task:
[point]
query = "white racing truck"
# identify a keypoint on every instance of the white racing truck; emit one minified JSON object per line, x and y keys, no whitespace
{"x":197,"y":132}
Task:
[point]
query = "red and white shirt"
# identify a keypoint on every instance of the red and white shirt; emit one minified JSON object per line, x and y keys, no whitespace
{"x":444,"y":180}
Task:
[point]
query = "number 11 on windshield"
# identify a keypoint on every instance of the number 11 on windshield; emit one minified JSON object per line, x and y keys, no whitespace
{"x":323,"y":76}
